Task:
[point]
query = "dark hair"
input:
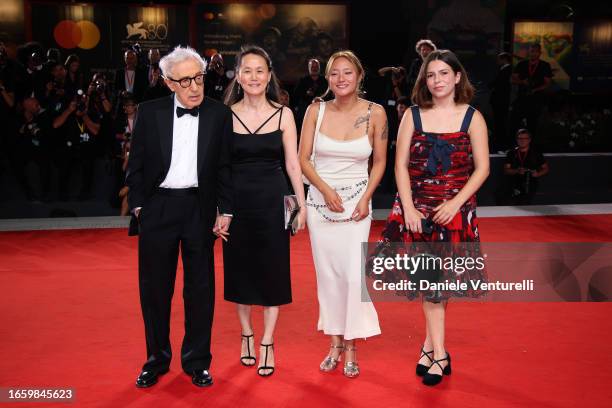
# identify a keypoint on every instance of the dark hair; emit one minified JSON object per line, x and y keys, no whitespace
{"x":233,"y":93}
{"x":71,"y":58}
{"x":523,"y":131}
{"x":464,"y":91}
{"x":535,"y":45}
{"x":403,"y":100}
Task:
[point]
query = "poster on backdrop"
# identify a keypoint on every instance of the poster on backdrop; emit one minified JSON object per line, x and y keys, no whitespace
{"x":100,"y":34}
{"x":592,"y":56}
{"x":556,"y":41}
{"x":150,"y":27}
{"x":75,"y":29}
{"x":291,"y":33}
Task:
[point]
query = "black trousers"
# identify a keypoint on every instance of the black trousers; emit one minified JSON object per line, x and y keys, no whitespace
{"x":169,"y":221}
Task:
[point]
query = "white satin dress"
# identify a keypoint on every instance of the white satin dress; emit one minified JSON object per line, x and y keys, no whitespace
{"x":336,"y":240}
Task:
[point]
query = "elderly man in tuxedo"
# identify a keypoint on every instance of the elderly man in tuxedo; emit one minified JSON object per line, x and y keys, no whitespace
{"x":180,"y":195}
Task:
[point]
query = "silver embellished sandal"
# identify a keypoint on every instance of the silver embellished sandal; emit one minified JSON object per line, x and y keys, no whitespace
{"x":330,"y":363}
{"x":351,"y":368}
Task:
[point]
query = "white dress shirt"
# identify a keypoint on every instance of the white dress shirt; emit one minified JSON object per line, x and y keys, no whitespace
{"x":130,"y":77}
{"x":183,"y":172}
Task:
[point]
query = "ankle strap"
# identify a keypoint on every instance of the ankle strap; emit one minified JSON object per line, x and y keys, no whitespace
{"x":341,"y":346}
{"x":247,"y":337}
{"x":350,"y":348}
{"x":266,"y":345}
{"x":426,"y":354}
{"x":438,"y":362}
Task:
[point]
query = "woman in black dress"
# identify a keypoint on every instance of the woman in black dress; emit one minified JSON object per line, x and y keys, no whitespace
{"x":256,"y":253}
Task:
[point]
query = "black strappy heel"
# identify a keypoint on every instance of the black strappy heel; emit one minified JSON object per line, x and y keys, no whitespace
{"x":421,"y":369}
{"x":248,"y":357}
{"x":265,"y":365}
{"x":433,"y":379}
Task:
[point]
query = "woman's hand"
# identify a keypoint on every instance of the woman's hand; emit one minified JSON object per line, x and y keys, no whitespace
{"x":445,"y":212}
{"x":221,"y":228}
{"x":333,"y":200}
{"x":362,"y":210}
{"x":301,"y":219}
{"x":412,"y":218}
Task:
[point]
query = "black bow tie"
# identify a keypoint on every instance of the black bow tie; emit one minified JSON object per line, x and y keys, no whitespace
{"x":182,"y":111}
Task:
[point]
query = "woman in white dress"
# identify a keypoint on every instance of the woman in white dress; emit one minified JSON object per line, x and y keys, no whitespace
{"x":344,"y":133}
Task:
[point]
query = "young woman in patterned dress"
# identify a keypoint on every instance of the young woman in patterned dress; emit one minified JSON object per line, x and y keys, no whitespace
{"x":442,"y":160}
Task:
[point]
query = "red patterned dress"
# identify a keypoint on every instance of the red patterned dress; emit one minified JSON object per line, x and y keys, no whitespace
{"x":440,"y":165}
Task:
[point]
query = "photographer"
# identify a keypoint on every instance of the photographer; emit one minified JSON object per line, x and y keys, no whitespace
{"x":307,"y":89}
{"x":100,"y":110}
{"x":533,"y":77}
{"x":98,"y":92}
{"x":53,"y":57}
{"x":216,"y":81}
{"x":157,"y":87}
{"x":131,"y":78}
{"x":398,"y":86}
{"x":154,"y":56}
{"x":525,"y":165}
{"x":34,"y":81}
{"x":423,"y":47}
{"x":74,"y":77}
{"x":34,"y":133}
{"x":123,"y":134}
{"x":54,"y":97}
{"x":77,"y":125}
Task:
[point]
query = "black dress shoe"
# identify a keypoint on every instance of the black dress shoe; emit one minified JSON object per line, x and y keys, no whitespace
{"x":201,"y":378}
{"x":421,"y":369}
{"x":434,"y":379}
{"x":148,"y":378}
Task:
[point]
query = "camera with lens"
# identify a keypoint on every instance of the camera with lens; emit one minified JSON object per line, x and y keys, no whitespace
{"x":80,"y":100}
{"x":36,"y":59}
{"x":33,"y":129}
{"x":100,"y":86}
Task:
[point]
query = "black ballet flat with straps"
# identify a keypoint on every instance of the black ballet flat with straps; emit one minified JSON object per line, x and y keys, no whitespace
{"x":265,"y":365}
{"x":421,"y":369}
{"x":248,"y":357}
{"x":434,"y":379}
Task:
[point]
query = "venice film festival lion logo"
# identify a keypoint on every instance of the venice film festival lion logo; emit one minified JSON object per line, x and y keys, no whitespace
{"x":150,"y":32}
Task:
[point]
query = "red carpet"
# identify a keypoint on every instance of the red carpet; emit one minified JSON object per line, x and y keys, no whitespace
{"x":71,"y":318}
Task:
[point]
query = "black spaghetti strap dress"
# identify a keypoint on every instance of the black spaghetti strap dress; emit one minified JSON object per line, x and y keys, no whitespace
{"x":256,"y":256}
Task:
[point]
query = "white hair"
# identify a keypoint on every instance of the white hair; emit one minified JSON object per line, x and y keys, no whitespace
{"x":177,"y":55}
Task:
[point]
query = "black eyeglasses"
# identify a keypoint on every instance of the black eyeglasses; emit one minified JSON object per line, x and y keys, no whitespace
{"x":186,"y":82}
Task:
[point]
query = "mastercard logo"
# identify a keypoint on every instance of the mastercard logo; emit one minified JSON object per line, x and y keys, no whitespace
{"x":82,"y":34}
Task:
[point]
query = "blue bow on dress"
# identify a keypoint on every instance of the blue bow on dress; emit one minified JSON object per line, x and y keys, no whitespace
{"x":439,"y":154}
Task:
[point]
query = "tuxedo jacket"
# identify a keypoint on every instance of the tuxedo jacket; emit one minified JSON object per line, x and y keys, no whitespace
{"x":151,"y":152}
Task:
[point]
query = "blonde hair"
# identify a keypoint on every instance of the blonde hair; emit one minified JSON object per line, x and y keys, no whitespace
{"x":352,"y":58}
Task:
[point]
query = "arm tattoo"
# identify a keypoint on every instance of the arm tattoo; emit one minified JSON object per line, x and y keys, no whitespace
{"x":385,"y":132}
{"x":360,"y":120}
